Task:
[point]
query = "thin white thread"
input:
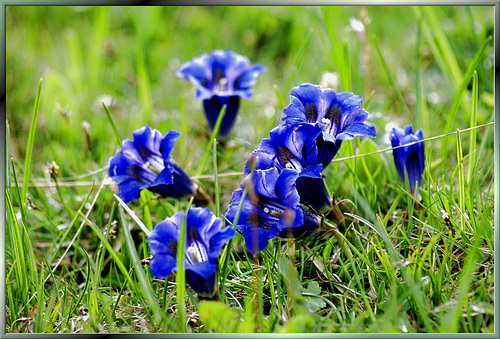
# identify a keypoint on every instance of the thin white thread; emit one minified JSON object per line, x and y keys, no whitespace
{"x":46,"y":183}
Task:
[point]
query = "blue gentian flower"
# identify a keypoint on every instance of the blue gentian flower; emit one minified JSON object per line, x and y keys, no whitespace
{"x":205,"y":239}
{"x":146,"y":163}
{"x":294,"y":146}
{"x":341,"y":116}
{"x":271,"y":208}
{"x":221,"y":78}
{"x":409,"y":159}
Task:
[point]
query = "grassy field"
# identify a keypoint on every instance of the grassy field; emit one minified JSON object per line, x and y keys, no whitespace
{"x":72,"y":251}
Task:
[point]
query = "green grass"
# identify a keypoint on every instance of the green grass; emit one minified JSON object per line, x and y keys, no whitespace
{"x":74,"y":249}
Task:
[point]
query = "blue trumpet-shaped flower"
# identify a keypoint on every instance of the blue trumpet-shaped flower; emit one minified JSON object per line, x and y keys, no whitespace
{"x":294,"y":146}
{"x":221,"y":78}
{"x":205,"y":239}
{"x":341,"y":115}
{"x":270,"y":208}
{"x":146,"y":163}
{"x":409,"y":159}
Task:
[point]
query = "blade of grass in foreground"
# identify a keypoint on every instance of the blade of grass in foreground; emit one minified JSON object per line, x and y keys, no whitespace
{"x":180,"y":277}
{"x":114,"y":255}
{"x":212,"y":138}
{"x":461,"y":179}
{"x":216,"y":180}
{"x":20,"y":272}
{"x":7,"y":154}
{"x":40,"y":304}
{"x":133,"y":215}
{"x":29,"y":147}
{"x":145,"y":285}
{"x":227,"y":250}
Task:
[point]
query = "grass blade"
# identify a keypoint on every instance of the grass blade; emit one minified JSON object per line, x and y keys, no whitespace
{"x":216,"y":180}
{"x":212,"y":138}
{"x":7,"y":154}
{"x":112,"y":123}
{"x":461,"y":180}
{"x":180,"y":277}
{"x":472,"y":135}
{"x":29,"y":147}
{"x":111,"y":251}
{"x":451,"y":319}
{"x":145,"y":285}
{"x":133,"y":215}
{"x":17,"y":243}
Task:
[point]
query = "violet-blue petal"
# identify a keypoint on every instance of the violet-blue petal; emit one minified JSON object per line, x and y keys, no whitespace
{"x":168,"y":143}
{"x":146,"y":163}
{"x":265,"y":158}
{"x":274,"y":208}
{"x":409,"y":160}
{"x":217,"y":243}
{"x":341,"y":116}
{"x":203,"y":280}
{"x":286,"y":187}
{"x":203,"y":231}
{"x":313,"y":193}
{"x":300,"y":140}
{"x":310,"y":224}
{"x":221,"y":78}
{"x":213,"y":107}
{"x":247,"y":80}
{"x":397,"y":134}
{"x":357,"y":130}
{"x":162,"y":264}
{"x":327,"y":148}
{"x":256,"y":226}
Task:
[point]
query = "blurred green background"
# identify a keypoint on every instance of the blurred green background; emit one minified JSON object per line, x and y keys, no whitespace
{"x":127,"y":57}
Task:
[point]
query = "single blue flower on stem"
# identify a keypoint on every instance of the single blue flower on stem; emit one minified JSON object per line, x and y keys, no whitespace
{"x":409,"y":159}
{"x":146,"y":163}
{"x":341,"y":115}
{"x":294,"y":146}
{"x":221,"y":78}
{"x":205,"y":239}
{"x":270,"y":208}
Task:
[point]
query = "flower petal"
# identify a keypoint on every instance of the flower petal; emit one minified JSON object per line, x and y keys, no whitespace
{"x":398,"y":153}
{"x":168,"y":143}
{"x":218,"y":240}
{"x":213,"y":107}
{"x":202,"y":277}
{"x":286,"y":187}
{"x":357,"y":130}
{"x":162,"y":264}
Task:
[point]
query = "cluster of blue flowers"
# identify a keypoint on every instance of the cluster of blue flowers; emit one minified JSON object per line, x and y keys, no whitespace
{"x":283,"y":193}
{"x":286,"y":171}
